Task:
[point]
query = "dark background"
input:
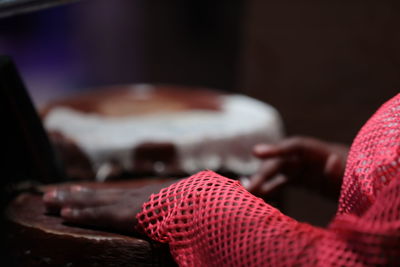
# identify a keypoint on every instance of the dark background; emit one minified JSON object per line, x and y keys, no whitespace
{"x":326,"y":65}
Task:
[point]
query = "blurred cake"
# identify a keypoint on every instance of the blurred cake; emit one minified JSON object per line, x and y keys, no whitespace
{"x":159,"y":130}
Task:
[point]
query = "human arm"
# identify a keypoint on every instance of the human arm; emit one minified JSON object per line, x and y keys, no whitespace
{"x":209,"y":220}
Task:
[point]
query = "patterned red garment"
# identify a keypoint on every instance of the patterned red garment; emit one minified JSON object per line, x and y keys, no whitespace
{"x":209,"y":220}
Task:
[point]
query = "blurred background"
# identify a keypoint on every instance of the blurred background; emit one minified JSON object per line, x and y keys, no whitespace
{"x":325,"y":65}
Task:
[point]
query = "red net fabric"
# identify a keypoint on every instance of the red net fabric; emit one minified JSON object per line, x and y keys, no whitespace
{"x":209,"y":220}
{"x":373,"y":160}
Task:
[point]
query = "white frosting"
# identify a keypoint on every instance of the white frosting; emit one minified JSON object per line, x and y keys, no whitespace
{"x":204,"y":139}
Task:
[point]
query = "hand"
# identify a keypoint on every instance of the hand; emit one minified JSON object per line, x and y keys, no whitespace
{"x":304,"y":160}
{"x":111,"y":209}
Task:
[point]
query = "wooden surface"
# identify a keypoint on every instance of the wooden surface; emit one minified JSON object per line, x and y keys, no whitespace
{"x":37,"y":239}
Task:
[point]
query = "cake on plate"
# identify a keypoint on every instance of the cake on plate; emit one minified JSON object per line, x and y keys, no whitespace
{"x":159,"y":130}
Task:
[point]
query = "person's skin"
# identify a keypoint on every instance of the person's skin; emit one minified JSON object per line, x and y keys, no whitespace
{"x":306,"y":161}
{"x":301,"y":159}
{"x":109,"y":209}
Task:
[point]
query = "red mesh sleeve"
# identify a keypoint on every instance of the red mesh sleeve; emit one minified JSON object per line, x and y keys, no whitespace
{"x":209,"y":220}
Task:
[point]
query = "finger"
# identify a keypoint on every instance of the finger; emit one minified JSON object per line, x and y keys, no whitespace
{"x":273,"y":184}
{"x":65,"y":196}
{"x":84,"y":189}
{"x":111,"y":217}
{"x":266,"y":150}
{"x":285,"y":147}
{"x":93,"y":216}
{"x":299,"y":146}
{"x":267,"y":170}
{"x":78,"y":197}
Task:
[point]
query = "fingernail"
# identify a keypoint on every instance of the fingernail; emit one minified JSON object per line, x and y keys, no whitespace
{"x":49,"y":196}
{"x":68,"y":212}
{"x":262,"y":148}
{"x":78,"y":188}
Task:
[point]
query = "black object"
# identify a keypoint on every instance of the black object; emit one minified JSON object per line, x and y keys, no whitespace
{"x":27,"y":152}
{"x":14,"y":7}
{"x":25,"y":148}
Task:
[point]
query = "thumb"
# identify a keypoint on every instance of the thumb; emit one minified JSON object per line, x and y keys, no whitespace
{"x":264,"y":151}
{"x":334,"y":166}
